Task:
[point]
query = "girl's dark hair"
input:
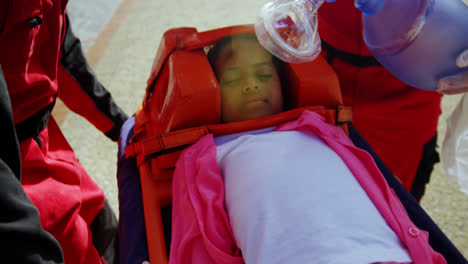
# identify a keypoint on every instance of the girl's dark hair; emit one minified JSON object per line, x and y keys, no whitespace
{"x":214,"y":53}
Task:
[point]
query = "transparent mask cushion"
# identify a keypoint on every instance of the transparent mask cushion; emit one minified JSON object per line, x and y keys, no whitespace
{"x":288,"y":29}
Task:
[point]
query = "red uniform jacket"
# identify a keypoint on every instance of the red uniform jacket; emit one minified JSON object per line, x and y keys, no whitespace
{"x":38,"y":68}
{"x":397,"y":120}
{"x":43,"y":60}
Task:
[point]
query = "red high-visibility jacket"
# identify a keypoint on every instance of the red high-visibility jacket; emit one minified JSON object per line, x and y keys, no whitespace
{"x":397,"y":120}
{"x":42,"y":60}
{"x":37,"y":71}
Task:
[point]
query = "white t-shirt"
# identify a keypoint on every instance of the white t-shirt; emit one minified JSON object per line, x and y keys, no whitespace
{"x":291,"y":199}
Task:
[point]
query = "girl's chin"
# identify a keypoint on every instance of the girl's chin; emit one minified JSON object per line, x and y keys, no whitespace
{"x":254,"y":111}
{"x":260,"y":113}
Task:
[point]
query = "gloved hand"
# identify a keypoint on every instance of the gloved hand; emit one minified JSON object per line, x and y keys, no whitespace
{"x":457,"y":83}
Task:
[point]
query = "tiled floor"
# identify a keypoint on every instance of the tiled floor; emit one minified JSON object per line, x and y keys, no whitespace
{"x":123,"y":66}
{"x":89,"y":17}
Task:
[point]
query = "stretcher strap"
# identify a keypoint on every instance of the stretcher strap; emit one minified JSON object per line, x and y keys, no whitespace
{"x":351,"y":58}
{"x":166,"y":141}
{"x":342,"y":115}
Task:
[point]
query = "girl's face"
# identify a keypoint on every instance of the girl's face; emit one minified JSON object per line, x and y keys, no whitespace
{"x":250,"y":86}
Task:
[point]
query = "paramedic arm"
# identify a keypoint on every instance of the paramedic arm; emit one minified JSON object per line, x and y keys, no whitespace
{"x":22,"y":239}
{"x":456,"y":83}
{"x":81,"y":91}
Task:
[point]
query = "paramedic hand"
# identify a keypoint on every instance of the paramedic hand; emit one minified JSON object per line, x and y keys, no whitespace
{"x":457,"y":83}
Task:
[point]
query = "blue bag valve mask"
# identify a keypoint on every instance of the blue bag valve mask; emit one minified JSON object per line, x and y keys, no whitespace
{"x":369,"y":7}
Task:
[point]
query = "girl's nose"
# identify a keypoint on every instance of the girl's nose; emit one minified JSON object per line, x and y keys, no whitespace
{"x":250,"y":88}
{"x":250,"y":85}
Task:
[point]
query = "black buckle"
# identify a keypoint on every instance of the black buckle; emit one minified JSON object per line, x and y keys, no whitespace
{"x":34,"y":21}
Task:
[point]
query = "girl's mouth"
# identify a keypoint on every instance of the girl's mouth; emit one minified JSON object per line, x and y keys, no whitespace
{"x":257,"y":102}
{"x":257,"y":99}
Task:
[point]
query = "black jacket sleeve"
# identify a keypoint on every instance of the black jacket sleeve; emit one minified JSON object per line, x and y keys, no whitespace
{"x":81,"y":91}
{"x":22,"y":239}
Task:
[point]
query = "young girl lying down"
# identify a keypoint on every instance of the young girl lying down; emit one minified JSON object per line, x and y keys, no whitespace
{"x":300,"y":192}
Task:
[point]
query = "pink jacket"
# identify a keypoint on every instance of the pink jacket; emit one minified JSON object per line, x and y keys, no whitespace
{"x":201,"y":232}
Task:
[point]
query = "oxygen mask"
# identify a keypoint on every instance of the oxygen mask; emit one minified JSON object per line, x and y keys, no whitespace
{"x":288,"y":29}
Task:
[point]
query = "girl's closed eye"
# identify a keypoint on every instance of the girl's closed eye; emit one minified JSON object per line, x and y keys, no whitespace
{"x":264,"y":76}
{"x":231,"y":82}
{"x":264,"y":73}
{"x":230,"y":77}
